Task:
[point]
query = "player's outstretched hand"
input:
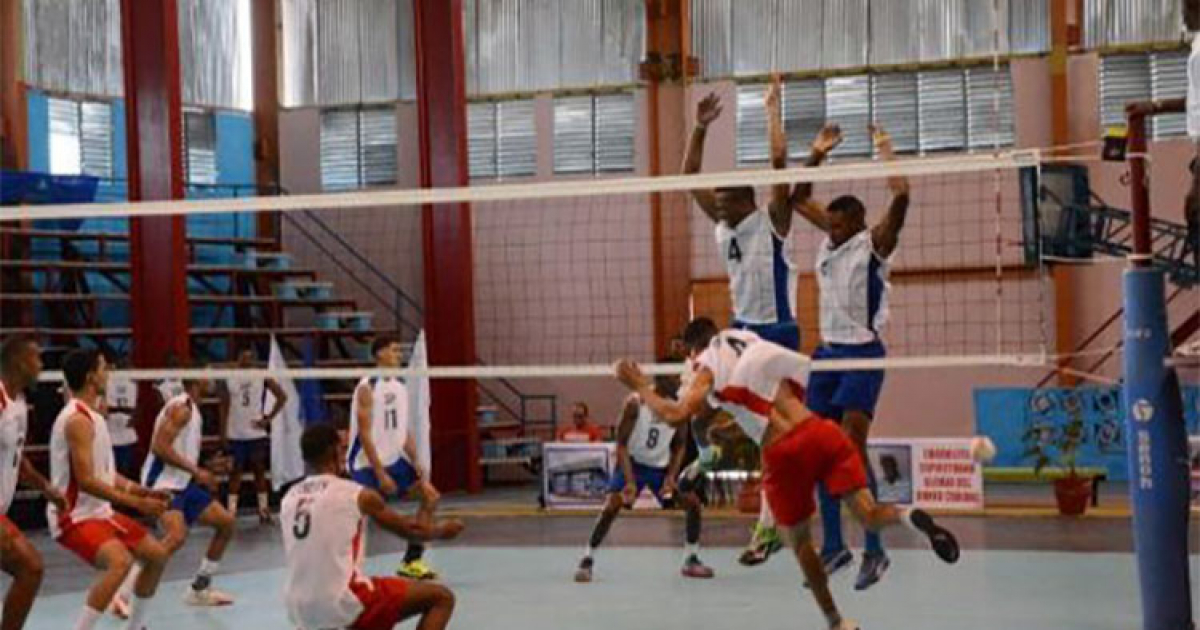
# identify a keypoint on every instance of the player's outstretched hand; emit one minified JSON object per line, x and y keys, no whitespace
{"x":708,"y":110}
{"x":882,"y":140}
{"x":448,"y":529}
{"x":828,"y":139}
{"x":630,"y":374}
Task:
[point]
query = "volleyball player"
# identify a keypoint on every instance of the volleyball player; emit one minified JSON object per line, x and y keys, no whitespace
{"x":20,"y":364}
{"x":852,"y":271}
{"x":174,"y":467}
{"x":82,"y":469}
{"x":323,"y":521}
{"x":383,"y":451}
{"x":244,"y":427}
{"x":755,"y":244}
{"x":761,"y":384}
{"x":649,"y":454}
{"x":122,"y":399}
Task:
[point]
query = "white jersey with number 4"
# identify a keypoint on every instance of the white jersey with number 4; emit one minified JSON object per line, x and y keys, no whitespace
{"x":14,"y":422}
{"x":324,"y":535}
{"x":246,"y":397}
{"x":157,"y":473}
{"x":650,"y":442}
{"x":389,"y":422}
{"x":762,"y":275}
{"x":80,"y":505}
{"x":747,"y":374}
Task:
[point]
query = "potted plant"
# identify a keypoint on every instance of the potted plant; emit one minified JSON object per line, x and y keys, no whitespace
{"x":1047,"y":445}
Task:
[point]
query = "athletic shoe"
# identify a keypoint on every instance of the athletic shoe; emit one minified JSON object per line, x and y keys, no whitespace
{"x":265,"y":517}
{"x":874,"y":565}
{"x":417,"y":570}
{"x":583,"y":574}
{"x":206,"y":597}
{"x":845,"y":624}
{"x":835,"y":561}
{"x":765,"y":542}
{"x":119,"y":607}
{"x":693,"y":568}
{"x":944,"y":544}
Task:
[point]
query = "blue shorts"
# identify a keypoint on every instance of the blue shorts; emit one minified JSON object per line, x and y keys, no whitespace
{"x":642,"y":476}
{"x":831,"y":394}
{"x":124,"y":457}
{"x":255,"y":451}
{"x":401,"y":472}
{"x":786,"y":334}
{"x":192,"y":501}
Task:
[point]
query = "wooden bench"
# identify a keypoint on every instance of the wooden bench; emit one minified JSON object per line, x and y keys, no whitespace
{"x":1025,"y":474}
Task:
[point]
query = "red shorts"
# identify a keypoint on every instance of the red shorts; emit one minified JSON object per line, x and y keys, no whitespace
{"x":382,"y":603}
{"x":85,"y":538}
{"x":815,"y":452}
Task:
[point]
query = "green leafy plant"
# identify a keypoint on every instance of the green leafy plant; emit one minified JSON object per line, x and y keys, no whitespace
{"x":1046,"y":444}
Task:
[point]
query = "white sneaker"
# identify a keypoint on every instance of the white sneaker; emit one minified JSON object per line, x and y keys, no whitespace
{"x":207,"y":597}
{"x":119,"y":607}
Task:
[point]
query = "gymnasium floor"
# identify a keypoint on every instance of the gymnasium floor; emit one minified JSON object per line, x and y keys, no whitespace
{"x":512,"y":569}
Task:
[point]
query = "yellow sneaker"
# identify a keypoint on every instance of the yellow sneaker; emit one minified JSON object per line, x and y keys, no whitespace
{"x":417,"y":570}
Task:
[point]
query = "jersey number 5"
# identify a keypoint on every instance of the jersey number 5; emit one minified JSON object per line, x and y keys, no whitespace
{"x":302,"y":525}
{"x":735,"y":251}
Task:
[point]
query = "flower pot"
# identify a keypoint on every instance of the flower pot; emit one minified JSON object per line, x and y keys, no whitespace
{"x":1073,"y":494}
{"x":749,"y":499}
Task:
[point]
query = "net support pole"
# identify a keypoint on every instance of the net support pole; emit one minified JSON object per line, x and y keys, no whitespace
{"x":1156,"y":435}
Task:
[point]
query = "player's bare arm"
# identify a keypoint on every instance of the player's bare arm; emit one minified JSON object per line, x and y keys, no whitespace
{"x":372,"y":505}
{"x":886,"y":234}
{"x":801,"y":200}
{"x":163,"y":445}
{"x":707,"y":111}
{"x":366,"y":404}
{"x":80,"y":435}
{"x":30,"y":477}
{"x":280,"y":398}
{"x":690,"y":403}
{"x":780,"y":205}
{"x":629,"y":413}
{"x":678,"y":450}
{"x":223,"y":405}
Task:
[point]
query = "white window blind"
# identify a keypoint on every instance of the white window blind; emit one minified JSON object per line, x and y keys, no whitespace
{"x":80,"y":138}
{"x":941,"y":110}
{"x":199,"y":147}
{"x":358,"y":148}
{"x":804,"y":113}
{"x":481,"y":140}
{"x":989,"y":93}
{"x":894,"y":107}
{"x":752,"y":143}
{"x":1168,"y":79}
{"x":594,"y":134}
{"x":1123,"y":79}
{"x":516,"y":138}
{"x":848,"y":104}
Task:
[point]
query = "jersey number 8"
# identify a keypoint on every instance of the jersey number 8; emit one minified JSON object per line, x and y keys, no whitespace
{"x":652,"y":438}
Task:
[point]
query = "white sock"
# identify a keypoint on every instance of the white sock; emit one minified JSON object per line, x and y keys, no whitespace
{"x":137,"y":612}
{"x":264,"y":501}
{"x":208,"y":567}
{"x":766,"y":519}
{"x":233,"y":503}
{"x":88,"y":619}
{"x":588,"y":551}
{"x":691,"y":549}
{"x":126,"y":589}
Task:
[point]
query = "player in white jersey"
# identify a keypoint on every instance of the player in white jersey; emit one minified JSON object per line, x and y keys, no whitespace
{"x":762,"y":385}
{"x":649,"y":454}
{"x":20,"y":364}
{"x":383,"y":451}
{"x":121,"y":401}
{"x":852,"y":271}
{"x":244,"y":425}
{"x":323,"y":518}
{"x":82,"y":468}
{"x":174,"y":467}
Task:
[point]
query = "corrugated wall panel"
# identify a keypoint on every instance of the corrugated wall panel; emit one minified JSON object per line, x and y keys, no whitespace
{"x":797,"y":48}
{"x":1116,"y":22}
{"x":845,"y":35}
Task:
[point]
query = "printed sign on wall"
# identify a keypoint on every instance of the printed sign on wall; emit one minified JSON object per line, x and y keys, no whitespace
{"x":934,"y":473}
{"x":576,"y":475}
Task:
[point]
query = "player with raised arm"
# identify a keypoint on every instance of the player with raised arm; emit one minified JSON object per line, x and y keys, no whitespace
{"x":244,"y":426}
{"x":20,"y":365}
{"x":649,"y":454}
{"x":83,"y":470}
{"x":755,"y":245}
{"x":762,"y":385}
{"x":383,"y":448}
{"x":174,"y":467}
{"x":323,"y":519}
{"x":852,"y":276}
